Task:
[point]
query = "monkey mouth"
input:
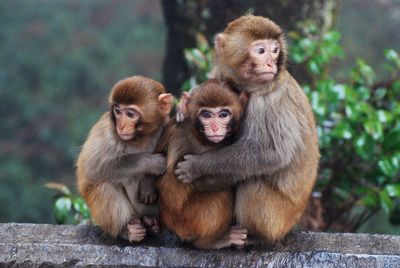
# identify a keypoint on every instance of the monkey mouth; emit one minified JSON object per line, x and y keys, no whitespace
{"x":216,"y":138}
{"x":266,"y":75}
{"x":126,"y":137}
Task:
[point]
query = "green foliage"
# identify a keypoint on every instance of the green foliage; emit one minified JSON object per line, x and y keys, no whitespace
{"x":358,"y":123}
{"x":359,"y":129}
{"x":200,"y":62}
{"x":68,"y":208}
{"x":59,"y":60}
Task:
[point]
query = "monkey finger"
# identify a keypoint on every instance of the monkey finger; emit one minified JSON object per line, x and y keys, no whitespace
{"x":152,"y":199}
{"x":136,"y":238}
{"x":188,"y":157}
{"x":155,"y":229}
{"x":137,"y":231}
{"x":134,"y":221}
{"x":183,"y":178}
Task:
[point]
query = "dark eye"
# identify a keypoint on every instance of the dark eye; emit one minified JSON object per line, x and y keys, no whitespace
{"x":261,"y":51}
{"x":205,"y":114}
{"x":224,"y":114}
{"x":117,"y":110}
{"x":131,"y":114}
{"x":275,"y":50}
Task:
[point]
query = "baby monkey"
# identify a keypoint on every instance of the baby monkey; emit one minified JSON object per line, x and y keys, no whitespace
{"x":117,"y":163}
{"x":212,"y":118}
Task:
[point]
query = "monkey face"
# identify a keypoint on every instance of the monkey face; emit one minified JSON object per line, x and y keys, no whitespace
{"x":215,"y":122}
{"x":261,"y":66}
{"x":126,"y":119}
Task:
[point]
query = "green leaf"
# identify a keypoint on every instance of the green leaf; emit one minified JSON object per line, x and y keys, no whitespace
{"x":342,"y":130}
{"x":332,"y":36}
{"x":391,"y":142}
{"x":81,"y":207}
{"x":62,"y":209}
{"x":393,"y":190}
{"x":314,"y":67}
{"x":340,"y":90}
{"x":390,"y":166}
{"x":385,"y":201}
{"x":306,"y":44}
{"x":392,"y":56}
{"x":364,"y":146}
{"x":384,"y":116}
{"x":396,"y":86}
{"x":202,"y":42}
{"x":318,"y":108}
{"x":370,"y":200}
{"x":374,"y":128}
{"x":366,"y":71}
{"x":380,"y":93}
{"x":364,"y":93}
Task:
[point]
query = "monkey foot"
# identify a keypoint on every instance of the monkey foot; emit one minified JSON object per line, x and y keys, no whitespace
{"x":236,"y":236}
{"x":152,"y":224}
{"x":136,"y":230}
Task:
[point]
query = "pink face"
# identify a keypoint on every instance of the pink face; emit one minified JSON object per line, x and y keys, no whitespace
{"x":215,"y":122}
{"x":126,"y":117}
{"x":261,"y":67}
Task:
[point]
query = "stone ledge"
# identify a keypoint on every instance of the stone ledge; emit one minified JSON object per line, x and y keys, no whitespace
{"x":43,"y":245}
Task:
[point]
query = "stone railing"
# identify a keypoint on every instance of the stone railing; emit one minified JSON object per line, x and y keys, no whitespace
{"x":43,"y":245}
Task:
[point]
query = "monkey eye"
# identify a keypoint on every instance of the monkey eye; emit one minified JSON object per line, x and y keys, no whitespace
{"x":205,"y":114}
{"x":224,"y":114}
{"x":117,"y":110}
{"x":275,"y":50}
{"x":261,"y":50}
{"x":131,"y":113}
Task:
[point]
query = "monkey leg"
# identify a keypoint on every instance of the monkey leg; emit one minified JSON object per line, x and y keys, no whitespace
{"x":139,"y":209}
{"x":267,"y":213}
{"x":109,"y":207}
{"x":205,"y":219}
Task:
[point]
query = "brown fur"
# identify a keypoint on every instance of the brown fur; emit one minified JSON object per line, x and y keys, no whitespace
{"x":109,"y":170}
{"x":276,"y":156}
{"x":235,"y":41}
{"x":199,"y":217}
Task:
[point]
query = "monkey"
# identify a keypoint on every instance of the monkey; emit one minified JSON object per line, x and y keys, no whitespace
{"x":116,"y":167}
{"x":275,"y":159}
{"x":213,"y":115}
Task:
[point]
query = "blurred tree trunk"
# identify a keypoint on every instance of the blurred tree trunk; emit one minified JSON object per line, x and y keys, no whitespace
{"x":186,"y":17}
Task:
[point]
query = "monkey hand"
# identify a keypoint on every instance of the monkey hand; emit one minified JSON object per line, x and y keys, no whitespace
{"x":186,"y":170}
{"x":147,"y":191}
{"x":158,"y":165}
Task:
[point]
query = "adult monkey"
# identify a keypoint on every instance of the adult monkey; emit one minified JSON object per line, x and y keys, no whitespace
{"x":274,"y":163}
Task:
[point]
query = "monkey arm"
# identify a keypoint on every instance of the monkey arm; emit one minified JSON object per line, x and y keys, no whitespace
{"x":237,"y":162}
{"x":129,"y":166}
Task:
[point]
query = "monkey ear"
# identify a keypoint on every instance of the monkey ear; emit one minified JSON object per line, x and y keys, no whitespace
{"x":219,"y":43}
{"x":183,"y":103}
{"x":244,"y":98}
{"x":165,"y":101}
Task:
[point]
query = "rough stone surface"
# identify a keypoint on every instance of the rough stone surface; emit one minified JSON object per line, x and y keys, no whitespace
{"x":43,"y":245}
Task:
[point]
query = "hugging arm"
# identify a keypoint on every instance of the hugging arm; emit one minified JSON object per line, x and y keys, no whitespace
{"x":231,"y":164}
{"x":129,"y":166}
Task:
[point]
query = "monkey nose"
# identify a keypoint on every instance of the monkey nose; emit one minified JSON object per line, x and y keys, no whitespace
{"x":214,"y":127}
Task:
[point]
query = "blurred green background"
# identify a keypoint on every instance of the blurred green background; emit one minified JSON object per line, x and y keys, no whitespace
{"x":59,"y":59}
